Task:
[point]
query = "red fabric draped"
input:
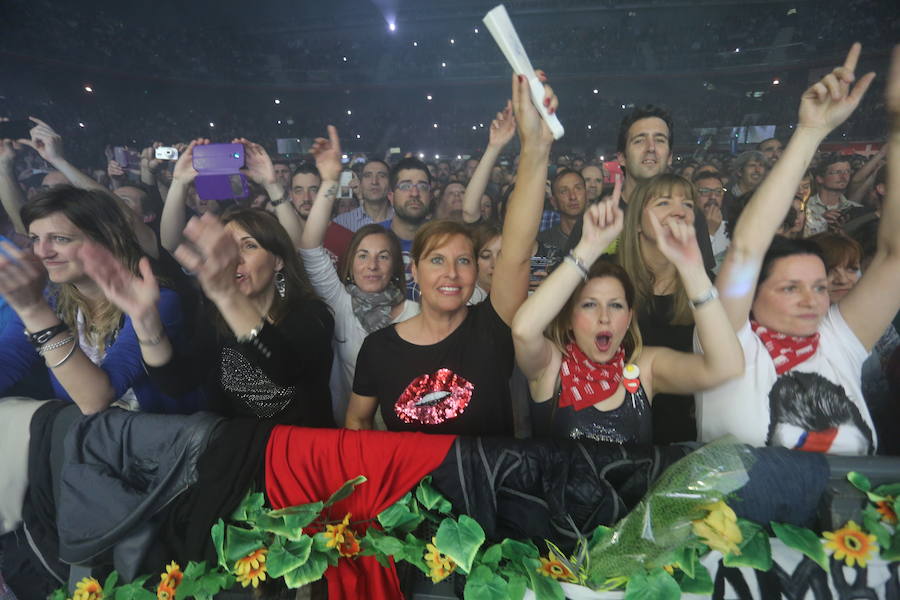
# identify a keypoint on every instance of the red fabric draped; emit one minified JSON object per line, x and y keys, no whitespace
{"x":306,"y":465}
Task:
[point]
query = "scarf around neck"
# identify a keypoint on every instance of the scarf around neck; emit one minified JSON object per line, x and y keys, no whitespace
{"x":373,"y":309}
{"x":787,"y":351}
{"x":584,"y":382}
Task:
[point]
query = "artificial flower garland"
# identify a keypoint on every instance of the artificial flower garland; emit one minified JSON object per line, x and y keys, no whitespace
{"x":261,"y":544}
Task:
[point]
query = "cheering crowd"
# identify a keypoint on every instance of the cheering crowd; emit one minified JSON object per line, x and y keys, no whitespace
{"x":564,"y":298}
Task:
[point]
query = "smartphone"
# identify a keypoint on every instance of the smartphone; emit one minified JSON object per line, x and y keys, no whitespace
{"x":288,"y":146}
{"x":16,"y":130}
{"x":344,"y":186}
{"x":219,"y":167}
{"x":166,"y":153}
{"x":611,"y":169}
{"x":127,"y":159}
{"x":540,"y":264}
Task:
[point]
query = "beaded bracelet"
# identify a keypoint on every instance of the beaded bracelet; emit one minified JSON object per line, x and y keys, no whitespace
{"x":67,"y":357}
{"x":47,"y":348}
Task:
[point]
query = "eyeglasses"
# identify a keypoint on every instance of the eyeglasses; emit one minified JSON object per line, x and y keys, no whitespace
{"x":709,"y":191}
{"x":838,"y":172}
{"x":405,"y":186}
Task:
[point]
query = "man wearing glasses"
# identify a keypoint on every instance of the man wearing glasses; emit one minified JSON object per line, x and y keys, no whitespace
{"x":829,"y":208}
{"x":710,"y":193}
{"x":409,"y":192}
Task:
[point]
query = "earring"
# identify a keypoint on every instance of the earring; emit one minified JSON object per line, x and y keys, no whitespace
{"x":280,"y":284}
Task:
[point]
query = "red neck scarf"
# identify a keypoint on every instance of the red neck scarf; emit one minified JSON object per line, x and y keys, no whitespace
{"x":787,"y":351}
{"x":584,"y":382}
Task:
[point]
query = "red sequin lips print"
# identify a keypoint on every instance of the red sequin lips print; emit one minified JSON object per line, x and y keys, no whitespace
{"x":434,"y":398}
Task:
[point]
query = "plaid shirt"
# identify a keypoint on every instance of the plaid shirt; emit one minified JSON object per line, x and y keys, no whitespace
{"x":549,"y":218}
{"x":357,"y":218}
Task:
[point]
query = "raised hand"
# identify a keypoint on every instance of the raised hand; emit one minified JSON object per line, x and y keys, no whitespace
{"x":829,"y":102}
{"x":184,"y":167}
{"x":7,"y":152}
{"x":212,"y":256}
{"x":22,"y":278}
{"x":115,"y":170}
{"x":602,"y":224}
{"x":677,"y":240}
{"x":259,"y":164}
{"x":503,"y":127}
{"x":530,"y":124}
{"x":135,"y":295}
{"x":148,"y":157}
{"x":45,"y":141}
{"x":328,"y":155}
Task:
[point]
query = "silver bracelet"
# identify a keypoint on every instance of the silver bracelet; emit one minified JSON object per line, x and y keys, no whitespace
{"x":577,"y":263}
{"x":48,"y":347}
{"x":706,"y":298}
{"x":67,"y":357}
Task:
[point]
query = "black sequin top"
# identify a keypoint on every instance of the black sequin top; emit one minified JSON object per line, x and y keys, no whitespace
{"x":630,"y":422}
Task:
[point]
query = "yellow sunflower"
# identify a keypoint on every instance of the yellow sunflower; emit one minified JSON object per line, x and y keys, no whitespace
{"x":439,"y":563}
{"x":719,"y":529}
{"x":251,"y":568}
{"x":335,"y":533}
{"x":851,"y":544}
{"x":553,"y":567}
{"x":886,"y":509}
{"x":88,"y":589}
{"x":169,"y":581}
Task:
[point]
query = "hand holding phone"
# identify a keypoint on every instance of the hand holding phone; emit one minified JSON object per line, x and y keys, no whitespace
{"x":15,"y":130}
{"x":218,"y":171}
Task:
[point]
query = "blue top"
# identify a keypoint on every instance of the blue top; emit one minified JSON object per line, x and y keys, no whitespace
{"x":122,"y":362}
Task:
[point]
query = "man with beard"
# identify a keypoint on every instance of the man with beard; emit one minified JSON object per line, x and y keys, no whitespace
{"x":750,"y":169}
{"x":710,"y":193}
{"x":375,"y":207}
{"x":409,"y":193}
{"x":304,"y":187}
{"x":772,"y":149}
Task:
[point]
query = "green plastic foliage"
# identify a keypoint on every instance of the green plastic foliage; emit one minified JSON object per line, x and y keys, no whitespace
{"x":652,"y":585}
{"x":431,"y":499}
{"x":872,"y":524}
{"x":802,"y":540}
{"x":134,"y":590}
{"x":311,"y":570}
{"x":516,"y":550}
{"x":202,"y":583}
{"x":283,"y":558}
{"x":460,"y":540}
{"x":756,"y":552}
{"x":483,"y":584}
{"x":398,"y":516}
{"x":700,"y":583}
{"x":345,"y":490}
{"x":492,"y":555}
{"x":250,"y":506}
{"x":544,"y":588}
{"x":218,"y":537}
{"x":240,"y":542}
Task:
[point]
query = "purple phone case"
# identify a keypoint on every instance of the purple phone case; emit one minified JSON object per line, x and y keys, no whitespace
{"x":218,"y":158}
{"x":221,"y":186}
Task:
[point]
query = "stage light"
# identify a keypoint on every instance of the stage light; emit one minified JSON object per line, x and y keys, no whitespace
{"x":89,"y":89}
{"x":602,"y":157}
{"x":452,"y":41}
{"x":437,"y":157}
{"x":211,"y":124}
{"x":392,"y":26}
{"x":435,"y":125}
{"x":422,"y":155}
{"x":737,"y":49}
{"x":474,"y":127}
{"x":443,"y":64}
{"x":349,"y":112}
{"x":596,"y":91}
{"x":481,"y":124}
{"x":345,"y":59}
{"x":357,"y":136}
{"x":459,"y":157}
{"x":279,"y":122}
{"x":416,"y":44}
{"x":80,"y":124}
{"x":343,"y":157}
{"x":776,"y":82}
{"x":476,"y":30}
{"x":277,"y":101}
{"x":428,"y":97}
{"x":590,"y":126}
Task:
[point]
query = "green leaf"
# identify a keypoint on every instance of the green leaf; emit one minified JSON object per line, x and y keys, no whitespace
{"x":386,"y":544}
{"x":892,"y":554}
{"x":515,"y":590}
{"x":345,"y":490}
{"x":686,"y":559}
{"x":206,"y":586}
{"x":282,"y":559}
{"x":872,"y":524}
{"x":859,"y":481}
{"x":888,"y":489}
{"x":195,"y":569}
{"x":802,"y":540}
{"x":700,"y":583}
{"x":483,"y":584}
{"x":58,"y":594}
{"x":109,"y":585}
{"x":492,"y":555}
{"x":311,"y":570}
{"x":652,"y":585}
{"x":601,"y":533}
{"x":515,"y":550}
{"x":544,"y":588}
{"x":289,"y":526}
{"x":432,"y":499}
{"x":218,"y":538}
{"x":249,"y":507}
{"x":398,"y":516}
{"x":460,"y":540}
{"x":756,"y":552}
{"x":240,"y":542}
{"x":135,"y":590}
{"x":296,"y":517}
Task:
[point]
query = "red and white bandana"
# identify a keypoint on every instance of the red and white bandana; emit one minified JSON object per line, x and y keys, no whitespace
{"x":584,"y":382}
{"x":787,"y":351}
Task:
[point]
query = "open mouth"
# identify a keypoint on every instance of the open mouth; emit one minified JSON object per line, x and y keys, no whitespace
{"x":603,"y":342}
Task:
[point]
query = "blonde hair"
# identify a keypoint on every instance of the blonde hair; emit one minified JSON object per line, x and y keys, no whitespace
{"x":631,"y":256}
{"x":560,"y":329}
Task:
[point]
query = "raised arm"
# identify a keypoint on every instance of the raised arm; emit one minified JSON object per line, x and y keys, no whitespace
{"x":510,"y":285}
{"x":823,"y":107}
{"x":684,"y":372}
{"x":11,"y":196}
{"x":503,"y":128}
{"x":174,"y":217}
{"x":534,"y":352}
{"x":328,"y":162}
{"x":48,"y":144}
{"x":874,"y":301}
{"x":863,"y":179}
{"x":262,"y":171}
